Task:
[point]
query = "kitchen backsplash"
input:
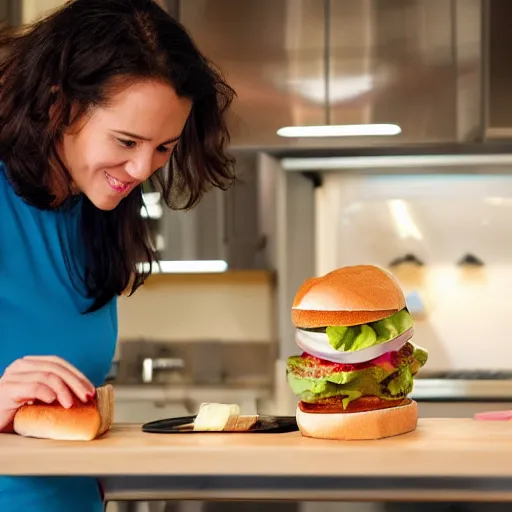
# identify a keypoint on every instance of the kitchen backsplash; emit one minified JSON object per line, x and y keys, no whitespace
{"x":230,"y":307}
{"x":220,"y":325}
{"x":422,"y":228}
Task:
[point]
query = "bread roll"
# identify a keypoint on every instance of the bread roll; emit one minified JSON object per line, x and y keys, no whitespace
{"x":367,"y":425}
{"x":81,"y":422}
{"x":347,"y":296}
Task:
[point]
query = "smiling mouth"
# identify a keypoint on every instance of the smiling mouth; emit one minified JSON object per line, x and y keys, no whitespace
{"x":117,"y":185}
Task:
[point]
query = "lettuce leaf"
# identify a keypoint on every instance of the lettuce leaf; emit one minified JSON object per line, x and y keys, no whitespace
{"x":357,"y":337}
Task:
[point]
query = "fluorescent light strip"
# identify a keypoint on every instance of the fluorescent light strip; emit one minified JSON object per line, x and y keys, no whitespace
{"x":347,"y":130}
{"x":151,"y":198}
{"x":152,"y":211}
{"x":393,"y":162}
{"x":187,"y":267}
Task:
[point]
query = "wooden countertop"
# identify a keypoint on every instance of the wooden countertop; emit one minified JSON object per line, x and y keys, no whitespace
{"x":439,"y":447}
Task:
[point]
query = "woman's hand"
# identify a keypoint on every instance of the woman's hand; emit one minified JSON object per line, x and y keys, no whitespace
{"x":42,"y":378}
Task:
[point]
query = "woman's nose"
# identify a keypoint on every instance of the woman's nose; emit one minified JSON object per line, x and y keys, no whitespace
{"x":140,"y":168}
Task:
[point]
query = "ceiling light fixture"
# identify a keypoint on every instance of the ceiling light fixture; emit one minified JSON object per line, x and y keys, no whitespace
{"x":342,"y":130}
{"x":186,"y":267}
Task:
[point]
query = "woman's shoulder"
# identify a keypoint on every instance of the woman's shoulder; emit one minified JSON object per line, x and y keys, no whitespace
{"x":3,"y":172}
{"x":8,"y":197}
{"x":3,"y":177}
{"x":4,"y":180}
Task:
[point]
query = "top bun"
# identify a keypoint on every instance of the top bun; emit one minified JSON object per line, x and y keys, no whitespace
{"x":347,"y":296}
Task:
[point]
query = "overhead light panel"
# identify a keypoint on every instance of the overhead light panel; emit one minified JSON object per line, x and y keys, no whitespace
{"x":186,"y":267}
{"x":342,"y":130}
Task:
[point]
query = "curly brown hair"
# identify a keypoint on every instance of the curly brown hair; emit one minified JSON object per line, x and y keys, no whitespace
{"x":75,"y":57}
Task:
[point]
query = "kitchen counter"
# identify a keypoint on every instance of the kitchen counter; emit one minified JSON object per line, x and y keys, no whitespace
{"x":444,"y":459}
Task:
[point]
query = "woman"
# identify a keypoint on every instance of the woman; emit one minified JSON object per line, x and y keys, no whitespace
{"x":95,"y":100}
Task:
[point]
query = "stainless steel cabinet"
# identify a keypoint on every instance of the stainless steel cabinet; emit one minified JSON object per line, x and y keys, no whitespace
{"x":9,"y":12}
{"x":272,"y":53}
{"x":499,"y":79}
{"x":414,"y":63}
{"x":4,"y":12}
{"x":396,"y":62}
{"x":223,"y":226}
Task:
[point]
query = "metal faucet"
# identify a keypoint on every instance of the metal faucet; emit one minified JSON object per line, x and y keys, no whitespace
{"x":150,"y":364}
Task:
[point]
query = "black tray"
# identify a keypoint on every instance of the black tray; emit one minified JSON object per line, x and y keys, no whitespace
{"x":268,"y":425}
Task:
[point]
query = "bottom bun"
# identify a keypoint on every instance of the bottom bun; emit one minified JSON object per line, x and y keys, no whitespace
{"x":366,"y":425}
{"x":81,"y":422}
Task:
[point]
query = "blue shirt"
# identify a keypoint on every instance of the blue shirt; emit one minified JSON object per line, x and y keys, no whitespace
{"x":41,"y":314}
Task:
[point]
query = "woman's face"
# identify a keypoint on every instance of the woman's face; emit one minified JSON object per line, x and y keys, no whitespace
{"x":111,"y":150}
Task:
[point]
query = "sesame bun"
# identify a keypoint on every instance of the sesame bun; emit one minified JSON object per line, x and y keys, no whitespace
{"x":347,"y":296}
{"x":368,"y":425}
{"x":81,"y":422}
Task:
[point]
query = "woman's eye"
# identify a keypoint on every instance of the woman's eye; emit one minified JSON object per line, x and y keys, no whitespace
{"x":127,"y":143}
{"x":163,"y":149}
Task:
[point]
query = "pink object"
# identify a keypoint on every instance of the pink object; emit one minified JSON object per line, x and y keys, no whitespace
{"x":494,"y":416}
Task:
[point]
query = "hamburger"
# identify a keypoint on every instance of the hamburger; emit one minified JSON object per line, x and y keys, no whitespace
{"x":357,"y":364}
{"x":81,"y":422}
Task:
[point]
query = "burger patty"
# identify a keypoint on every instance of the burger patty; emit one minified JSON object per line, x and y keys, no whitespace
{"x":334,"y":405}
{"x":388,"y":378}
{"x":315,"y":368}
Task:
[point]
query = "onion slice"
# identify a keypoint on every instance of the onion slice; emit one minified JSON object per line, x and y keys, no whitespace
{"x":317,"y":345}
